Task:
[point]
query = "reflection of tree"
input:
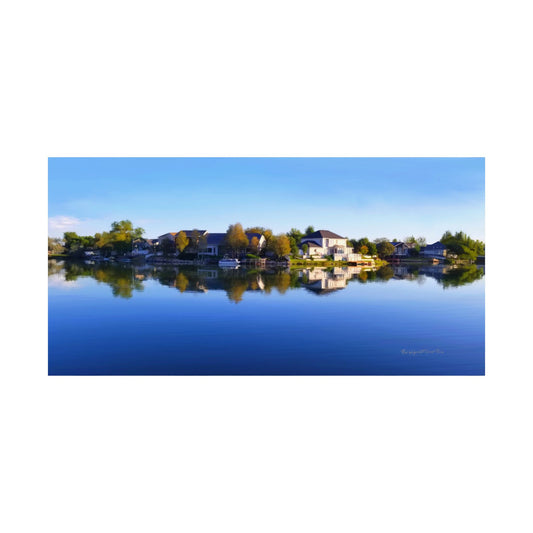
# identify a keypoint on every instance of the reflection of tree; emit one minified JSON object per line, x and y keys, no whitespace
{"x":181,"y":282}
{"x":385,"y":273}
{"x":165,"y":276}
{"x":461,"y":276}
{"x":119,"y":278}
{"x":54,"y":267}
{"x":363,"y":276}
{"x":283,"y":282}
{"x":236,"y":288}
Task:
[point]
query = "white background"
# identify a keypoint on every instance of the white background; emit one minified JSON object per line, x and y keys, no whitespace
{"x":265,"y":454}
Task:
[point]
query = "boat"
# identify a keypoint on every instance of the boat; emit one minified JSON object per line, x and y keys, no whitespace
{"x":229,"y":262}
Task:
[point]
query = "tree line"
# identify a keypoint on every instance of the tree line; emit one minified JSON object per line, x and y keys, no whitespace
{"x":118,"y":239}
{"x":122,"y":235}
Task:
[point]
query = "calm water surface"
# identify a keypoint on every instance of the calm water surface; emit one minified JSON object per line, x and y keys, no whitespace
{"x":123,"y":319}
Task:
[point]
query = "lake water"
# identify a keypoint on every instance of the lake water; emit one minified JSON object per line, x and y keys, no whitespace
{"x":148,"y":320}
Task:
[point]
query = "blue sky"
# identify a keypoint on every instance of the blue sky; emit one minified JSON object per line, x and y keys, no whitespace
{"x":355,"y":197}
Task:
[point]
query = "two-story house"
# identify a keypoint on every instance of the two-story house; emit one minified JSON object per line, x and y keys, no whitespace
{"x":323,"y":242}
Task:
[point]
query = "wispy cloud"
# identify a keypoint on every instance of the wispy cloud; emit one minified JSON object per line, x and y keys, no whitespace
{"x":62,"y":222}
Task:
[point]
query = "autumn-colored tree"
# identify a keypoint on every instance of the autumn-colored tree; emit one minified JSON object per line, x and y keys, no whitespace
{"x":267,"y":234}
{"x":364,"y":249}
{"x":182,"y":241}
{"x":55,"y":246}
{"x":236,"y":239}
{"x":282,"y":245}
{"x":254,"y":245}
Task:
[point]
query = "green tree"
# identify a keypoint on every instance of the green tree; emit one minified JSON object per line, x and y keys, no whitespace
{"x":72,"y":241}
{"x":372,"y":249}
{"x":305,"y":248}
{"x":385,"y":249}
{"x":463,"y":246}
{"x":293,"y":245}
{"x":295,"y":234}
{"x":309,"y":230}
{"x":122,"y":235}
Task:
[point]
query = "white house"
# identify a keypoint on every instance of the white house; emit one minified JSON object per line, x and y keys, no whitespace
{"x":323,"y":242}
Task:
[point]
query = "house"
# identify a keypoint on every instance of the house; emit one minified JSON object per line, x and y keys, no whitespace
{"x":153,"y":243}
{"x":213,"y":244}
{"x":435,"y":250}
{"x":400,"y":249}
{"x":322,"y":243}
{"x":142,"y":246}
{"x":167,"y":237}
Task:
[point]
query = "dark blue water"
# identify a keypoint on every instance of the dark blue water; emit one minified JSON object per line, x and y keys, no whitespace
{"x":124,"y":320}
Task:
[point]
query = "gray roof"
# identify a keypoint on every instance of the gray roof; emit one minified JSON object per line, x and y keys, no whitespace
{"x":215,"y":239}
{"x":189,"y":232}
{"x":436,"y":245}
{"x":311,"y":243}
{"x":323,"y":233}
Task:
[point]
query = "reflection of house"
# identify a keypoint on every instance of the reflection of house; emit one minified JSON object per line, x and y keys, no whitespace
{"x":400,"y":249}
{"x":323,"y":242}
{"x":323,"y":281}
{"x":437,"y":250}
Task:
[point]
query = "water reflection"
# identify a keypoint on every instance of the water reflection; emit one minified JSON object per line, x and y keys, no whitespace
{"x":125,"y":280}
